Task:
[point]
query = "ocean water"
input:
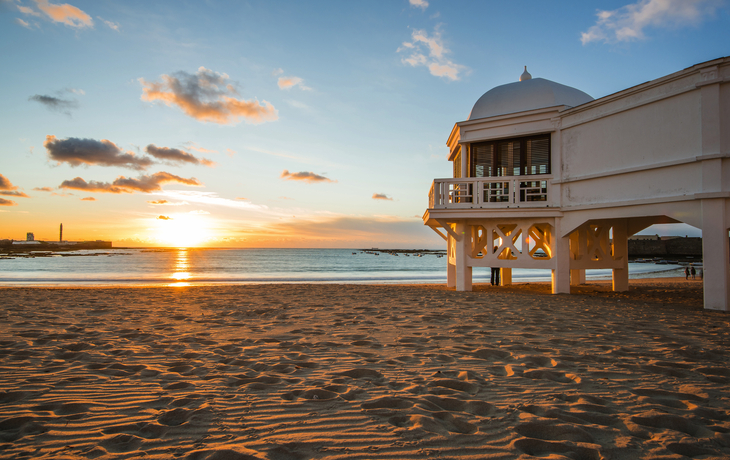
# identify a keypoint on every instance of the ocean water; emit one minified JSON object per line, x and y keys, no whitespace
{"x":188,"y":266}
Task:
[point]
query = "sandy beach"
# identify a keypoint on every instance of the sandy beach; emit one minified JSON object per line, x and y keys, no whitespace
{"x":364,"y":371}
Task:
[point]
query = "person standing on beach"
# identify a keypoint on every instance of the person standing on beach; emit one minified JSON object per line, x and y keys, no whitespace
{"x":686,"y":273}
{"x":495,"y":276}
{"x":694,"y":272}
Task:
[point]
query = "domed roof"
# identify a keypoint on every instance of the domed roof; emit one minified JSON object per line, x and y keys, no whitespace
{"x":532,"y":93}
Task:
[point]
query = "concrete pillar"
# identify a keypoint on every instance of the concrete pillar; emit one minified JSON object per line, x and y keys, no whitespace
{"x":577,"y":277}
{"x":505,"y":276}
{"x":463,"y":250}
{"x":715,"y":255}
{"x":561,"y":255}
{"x":620,"y":276}
{"x":465,"y":160}
{"x":450,"y":275}
{"x":450,"y":267}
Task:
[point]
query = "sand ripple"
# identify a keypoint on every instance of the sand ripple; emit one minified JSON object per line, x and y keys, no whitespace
{"x":292,"y":372}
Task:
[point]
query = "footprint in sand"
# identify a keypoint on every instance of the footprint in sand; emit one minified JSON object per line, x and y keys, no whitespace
{"x":548,"y":430}
{"x":142,"y":429}
{"x":14,"y":428}
{"x":122,"y":443}
{"x":540,"y":448}
{"x":179,"y":416}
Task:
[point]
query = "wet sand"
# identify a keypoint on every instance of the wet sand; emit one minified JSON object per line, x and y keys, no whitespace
{"x":364,"y":371}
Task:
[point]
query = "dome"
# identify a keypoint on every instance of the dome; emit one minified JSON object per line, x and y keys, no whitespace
{"x":532,"y":93}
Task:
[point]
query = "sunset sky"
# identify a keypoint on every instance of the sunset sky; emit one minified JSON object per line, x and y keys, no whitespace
{"x":286,"y":123}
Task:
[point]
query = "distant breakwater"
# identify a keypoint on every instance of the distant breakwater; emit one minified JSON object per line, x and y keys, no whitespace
{"x":669,"y":248}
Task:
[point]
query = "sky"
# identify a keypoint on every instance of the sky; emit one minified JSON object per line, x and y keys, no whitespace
{"x":287,"y":123}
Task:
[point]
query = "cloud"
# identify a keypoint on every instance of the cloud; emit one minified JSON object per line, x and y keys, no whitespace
{"x":209,"y":198}
{"x":59,"y":12}
{"x":207,"y":96}
{"x":305,"y":176}
{"x":423,"y":4}
{"x":8,"y":189}
{"x":190,"y":145}
{"x":164,"y":218}
{"x":14,"y":193}
{"x":172,"y":155}
{"x":241,"y":198}
{"x":4,"y":202}
{"x":230,"y":152}
{"x":628,"y":22}
{"x":55,"y":103}
{"x":430,"y":51}
{"x":290,"y":82}
{"x":277,"y":72}
{"x":167,"y":203}
{"x":144,"y":184}
{"x":5,"y":184}
{"x":199,"y":211}
{"x":76,"y":152}
{"x":112,"y":25}
{"x":381,"y":196}
{"x":88,"y":198}
{"x":23,"y":23}
{"x":43,"y":189}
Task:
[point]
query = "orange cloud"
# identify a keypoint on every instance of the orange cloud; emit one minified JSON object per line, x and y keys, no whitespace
{"x":144,"y":184}
{"x":305,"y":176}
{"x":172,"y":155}
{"x":290,"y":82}
{"x":64,"y":13}
{"x":76,"y":152}
{"x":381,"y":196}
{"x":207,"y":96}
{"x":8,"y":189}
{"x":88,"y":198}
{"x":167,"y":203}
{"x":164,"y":218}
{"x":4,"y":202}
{"x":43,"y":189}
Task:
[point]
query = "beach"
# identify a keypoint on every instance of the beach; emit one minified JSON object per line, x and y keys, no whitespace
{"x":343,"y":371}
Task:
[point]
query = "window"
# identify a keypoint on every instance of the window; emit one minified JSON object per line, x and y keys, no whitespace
{"x":457,"y":166}
{"x":510,"y":157}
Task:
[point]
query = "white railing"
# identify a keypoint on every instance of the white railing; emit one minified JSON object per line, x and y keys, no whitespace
{"x":490,"y":192}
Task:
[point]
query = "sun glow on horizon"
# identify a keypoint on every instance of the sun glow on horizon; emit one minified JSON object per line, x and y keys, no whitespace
{"x":183,"y":231}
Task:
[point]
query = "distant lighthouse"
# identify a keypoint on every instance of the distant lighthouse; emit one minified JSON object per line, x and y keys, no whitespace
{"x":60,"y":234}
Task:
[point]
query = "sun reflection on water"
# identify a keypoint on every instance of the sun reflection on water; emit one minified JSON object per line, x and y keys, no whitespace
{"x":181,"y":269}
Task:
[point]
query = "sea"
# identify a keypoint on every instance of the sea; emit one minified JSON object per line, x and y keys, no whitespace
{"x":202,"y":266}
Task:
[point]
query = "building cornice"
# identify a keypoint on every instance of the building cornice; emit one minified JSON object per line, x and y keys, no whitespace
{"x":664,"y":164}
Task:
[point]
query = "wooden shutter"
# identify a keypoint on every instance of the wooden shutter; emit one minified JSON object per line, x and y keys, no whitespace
{"x":481,"y":159}
{"x":537,"y":158}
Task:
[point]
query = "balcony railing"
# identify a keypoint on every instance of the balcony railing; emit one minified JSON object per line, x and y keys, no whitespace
{"x":490,"y":192}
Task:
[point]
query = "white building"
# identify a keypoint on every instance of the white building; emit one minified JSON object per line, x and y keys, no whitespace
{"x":547,"y":177}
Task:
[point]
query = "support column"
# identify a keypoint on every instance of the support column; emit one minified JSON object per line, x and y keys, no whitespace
{"x":561,"y":255}
{"x":577,"y":277}
{"x":463,"y":250}
{"x":715,"y":255}
{"x":505,"y":277}
{"x":450,"y":266}
{"x":620,"y":276}
{"x":450,"y":275}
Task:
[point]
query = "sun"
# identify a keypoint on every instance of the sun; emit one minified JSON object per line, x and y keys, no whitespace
{"x":183,"y":231}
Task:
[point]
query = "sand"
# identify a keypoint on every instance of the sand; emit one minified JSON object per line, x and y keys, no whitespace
{"x":362,"y":371}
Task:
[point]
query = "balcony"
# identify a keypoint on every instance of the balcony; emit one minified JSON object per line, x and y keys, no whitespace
{"x":490,"y":192}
